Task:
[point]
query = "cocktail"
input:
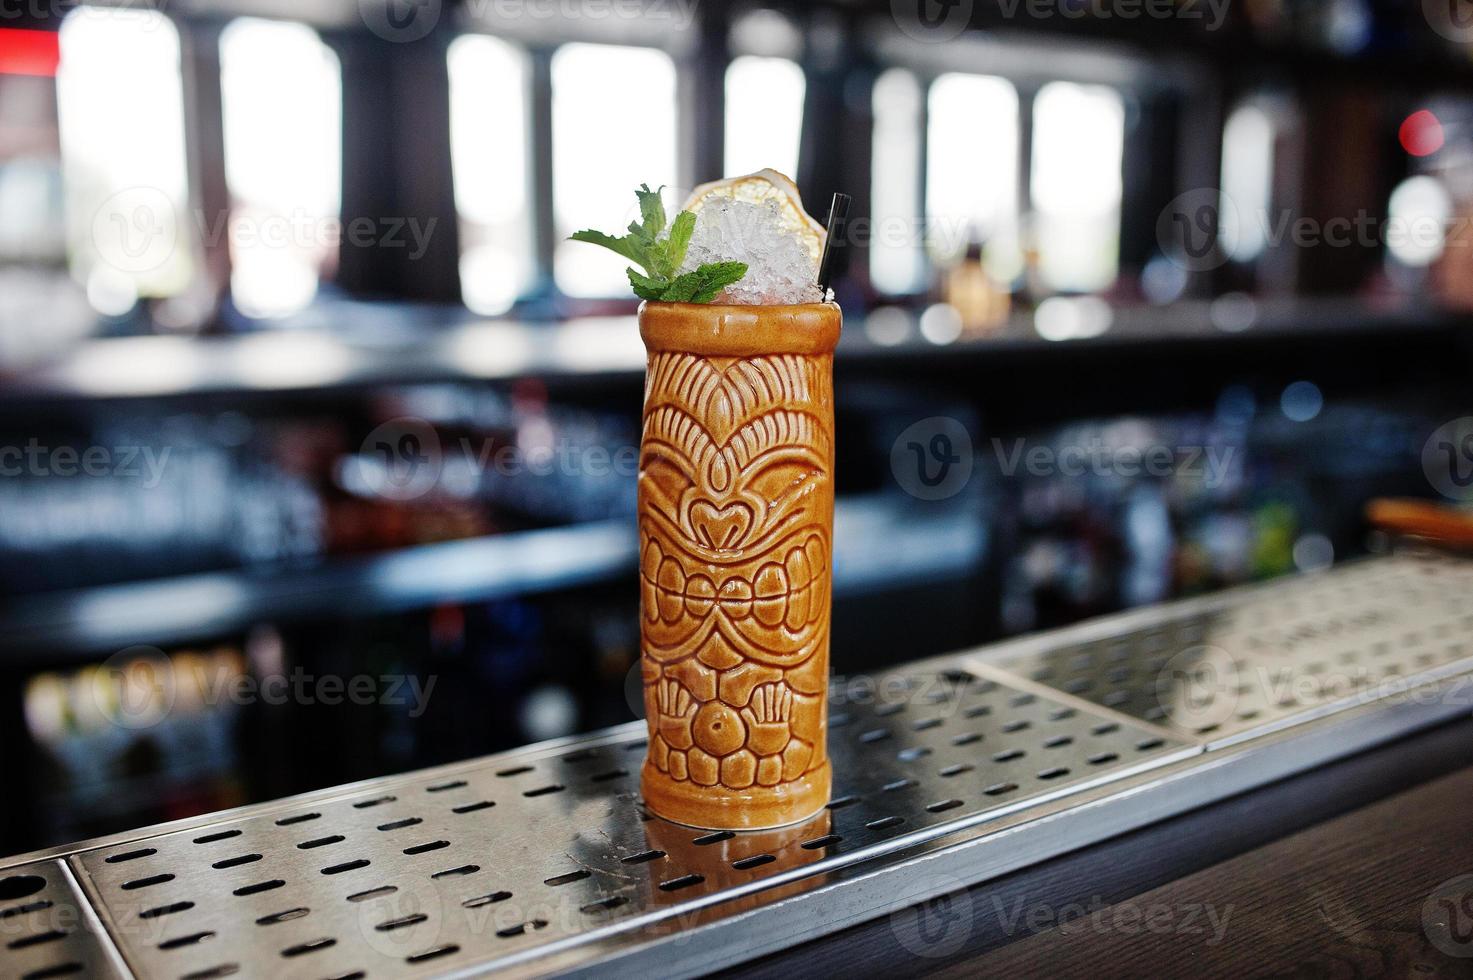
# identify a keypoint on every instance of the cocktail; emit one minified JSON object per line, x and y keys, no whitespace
{"x":736,"y":503}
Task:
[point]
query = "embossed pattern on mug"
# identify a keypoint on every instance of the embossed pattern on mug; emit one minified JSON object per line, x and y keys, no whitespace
{"x":735,"y":514}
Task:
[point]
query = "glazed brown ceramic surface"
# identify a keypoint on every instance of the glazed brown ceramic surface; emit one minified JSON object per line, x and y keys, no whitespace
{"x":736,"y":504}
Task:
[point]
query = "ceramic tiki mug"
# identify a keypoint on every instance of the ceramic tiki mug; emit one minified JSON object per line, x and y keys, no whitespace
{"x":736,"y":502}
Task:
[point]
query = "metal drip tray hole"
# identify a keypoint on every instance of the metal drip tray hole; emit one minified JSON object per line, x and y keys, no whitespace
{"x":163,"y":910}
{"x":643,"y":856}
{"x":149,"y":882}
{"x":288,"y":821}
{"x":819,"y":843}
{"x":222,"y":835}
{"x":346,"y":866}
{"x":483,"y":900}
{"x":376,"y":801}
{"x":521,"y":928}
{"x":460,"y":872}
{"x":131,"y":855}
{"x":684,"y":881}
{"x":433,"y":954}
{"x":885,"y":823}
{"x":941,"y":806}
{"x":513,"y":771}
{"x":11,"y":913}
{"x":457,"y":784}
{"x":565,"y":879}
{"x":60,"y":970}
{"x":287,"y":916}
{"x":604,"y":904}
{"x":259,"y":887}
{"x":308,"y":845}
{"x":372,"y":893}
{"x":473,"y":807}
{"x":714,"y":838}
{"x":401,"y":923}
{"x":191,"y":940}
{"x":315,"y":945}
{"x":236,"y":862}
{"x":214,"y":972}
{"x":20,"y":886}
{"x":755,"y":861}
{"x":544,"y":790}
{"x":40,"y":939}
{"x":428,"y":846}
{"x":396,"y":825}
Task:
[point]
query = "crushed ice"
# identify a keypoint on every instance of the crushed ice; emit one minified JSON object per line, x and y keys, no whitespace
{"x":779,"y":267}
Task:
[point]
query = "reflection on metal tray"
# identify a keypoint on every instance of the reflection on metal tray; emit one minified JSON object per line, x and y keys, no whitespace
{"x":947,"y":772}
{"x":1297,"y":650}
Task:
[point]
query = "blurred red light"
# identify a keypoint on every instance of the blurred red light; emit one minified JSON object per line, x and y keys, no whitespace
{"x":1421,"y":133}
{"x":24,"y":52}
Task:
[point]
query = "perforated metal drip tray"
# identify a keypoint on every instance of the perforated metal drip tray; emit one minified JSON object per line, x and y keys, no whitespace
{"x":543,"y":860}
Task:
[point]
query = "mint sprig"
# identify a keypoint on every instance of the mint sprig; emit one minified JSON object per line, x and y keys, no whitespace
{"x":661,"y":257}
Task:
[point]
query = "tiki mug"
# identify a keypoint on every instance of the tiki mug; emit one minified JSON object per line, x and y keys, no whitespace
{"x":736,"y":505}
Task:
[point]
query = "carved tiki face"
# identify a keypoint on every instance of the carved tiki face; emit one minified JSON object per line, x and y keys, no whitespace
{"x":735,"y":517}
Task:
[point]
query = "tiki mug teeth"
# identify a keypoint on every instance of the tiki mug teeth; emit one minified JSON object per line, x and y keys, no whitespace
{"x":736,"y":517}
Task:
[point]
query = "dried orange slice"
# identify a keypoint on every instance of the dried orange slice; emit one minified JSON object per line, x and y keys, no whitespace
{"x":761,"y":187}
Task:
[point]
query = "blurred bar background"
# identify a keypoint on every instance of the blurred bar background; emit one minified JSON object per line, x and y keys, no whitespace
{"x":300,"y":380}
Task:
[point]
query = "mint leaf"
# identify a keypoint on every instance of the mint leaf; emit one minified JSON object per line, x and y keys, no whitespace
{"x":645,"y":287}
{"x":702,"y":285}
{"x":661,"y":257}
{"x":626,"y":247}
{"x":652,"y":210}
{"x":679,"y":240}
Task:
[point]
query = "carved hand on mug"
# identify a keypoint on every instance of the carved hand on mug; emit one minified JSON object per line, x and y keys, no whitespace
{"x":677,"y":708}
{"x":767,"y":717}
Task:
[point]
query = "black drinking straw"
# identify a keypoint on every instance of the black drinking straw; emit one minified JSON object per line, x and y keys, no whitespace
{"x":838,"y":212}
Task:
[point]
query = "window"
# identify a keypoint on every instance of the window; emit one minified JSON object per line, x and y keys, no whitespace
{"x":972,"y":170}
{"x":1247,"y":182}
{"x":121,"y":120}
{"x":1078,"y":140}
{"x":764,"y":115}
{"x":613,"y":128}
{"x":281,"y":90}
{"x":896,"y":261}
{"x":488,"y":145}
